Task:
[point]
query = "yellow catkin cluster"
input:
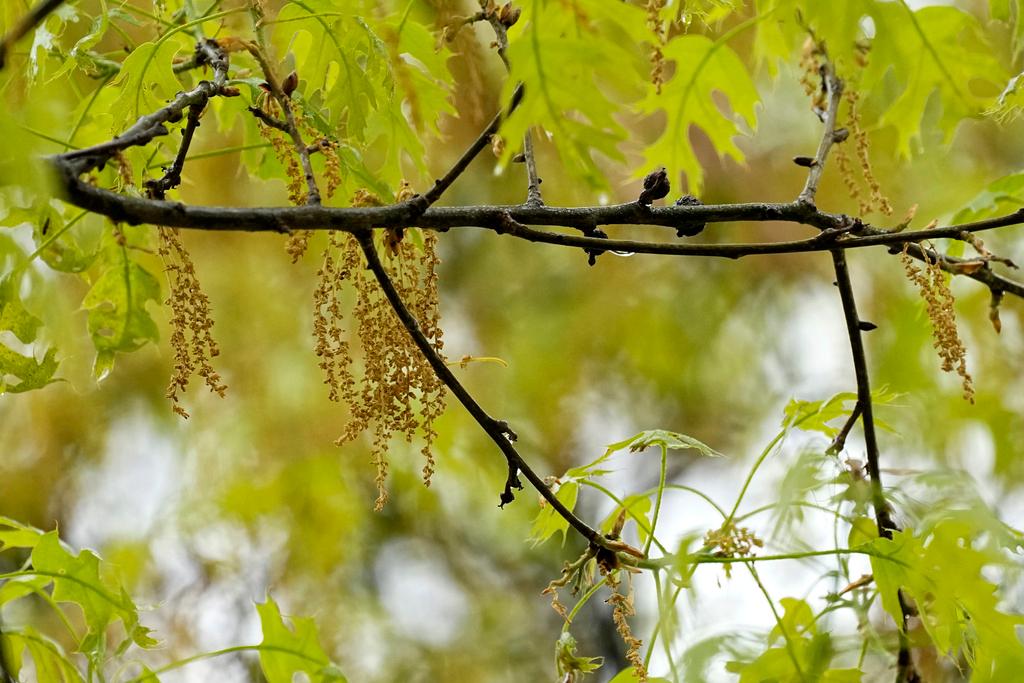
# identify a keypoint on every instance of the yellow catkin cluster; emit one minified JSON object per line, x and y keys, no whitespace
{"x":873,"y":199}
{"x":556,"y":603}
{"x":810,"y":73}
{"x":319,"y":143}
{"x":284,"y":150}
{"x":298,"y":192}
{"x":934,"y":288}
{"x":125,"y":177}
{"x":877,"y":201}
{"x":657,"y":27}
{"x":191,"y":323}
{"x":398,"y":392}
{"x":332,"y":166}
{"x":732,"y":541}
{"x":622,"y":608}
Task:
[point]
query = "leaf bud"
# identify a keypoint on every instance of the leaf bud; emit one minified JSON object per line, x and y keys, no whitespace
{"x":509,"y":15}
{"x":289,"y":84}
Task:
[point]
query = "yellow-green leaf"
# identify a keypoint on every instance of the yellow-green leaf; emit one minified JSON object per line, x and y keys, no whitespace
{"x":702,"y":67}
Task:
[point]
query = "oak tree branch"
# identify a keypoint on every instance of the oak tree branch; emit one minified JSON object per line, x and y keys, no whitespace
{"x":497,"y":430}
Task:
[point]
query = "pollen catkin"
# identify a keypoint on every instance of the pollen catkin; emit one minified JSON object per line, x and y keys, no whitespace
{"x":810,"y":74}
{"x":191,"y":323}
{"x":284,"y":150}
{"x":622,"y":608}
{"x":657,"y":27}
{"x":125,"y":177}
{"x":934,"y":289}
{"x":397,"y":392}
{"x":298,"y":192}
{"x":878,"y":202}
{"x":732,"y":541}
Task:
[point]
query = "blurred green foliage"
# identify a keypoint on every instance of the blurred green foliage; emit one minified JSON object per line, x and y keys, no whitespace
{"x":198,"y":521}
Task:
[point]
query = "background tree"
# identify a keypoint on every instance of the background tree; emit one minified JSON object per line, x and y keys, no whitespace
{"x":154,"y":152}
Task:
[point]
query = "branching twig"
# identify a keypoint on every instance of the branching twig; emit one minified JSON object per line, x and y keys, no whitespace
{"x":443,"y":183}
{"x":172,"y":175}
{"x":28,"y":22}
{"x":289,"y":125}
{"x":135,"y":210}
{"x":839,"y":442}
{"x":268,"y":120}
{"x":883,"y":514}
{"x":150,"y":126}
{"x":497,"y":430}
{"x":833,"y":87}
{"x":533,"y":181}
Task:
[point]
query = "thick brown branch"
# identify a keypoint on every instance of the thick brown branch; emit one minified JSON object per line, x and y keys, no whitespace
{"x":28,"y":22}
{"x":135,"y":210}
{"x":497,"y":430}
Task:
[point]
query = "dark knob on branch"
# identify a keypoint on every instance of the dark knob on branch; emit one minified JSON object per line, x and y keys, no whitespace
{"x":656,"y":186}
{"x":690,"y":229}
{"x":592,"y":254}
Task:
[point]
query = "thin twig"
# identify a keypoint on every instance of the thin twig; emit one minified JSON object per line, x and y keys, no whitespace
{"x":883,"y":514}
{"x":79,"y":161}
{"x":533,"y":196}
{"x":268,"y":120}
{"x":172,"y":175}
{"x":533,"y":181}
{"x":834,"y":92}
{"x":839,"y":442}
{"x":481,"y":142}
{"x":290,"y":126}
{"x":28,"y":22}
{"x":497,"y":430}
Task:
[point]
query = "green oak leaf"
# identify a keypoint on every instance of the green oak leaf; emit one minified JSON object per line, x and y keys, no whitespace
{"x":702,"y":66}
{"x":145,"y":83}
{"x":83,"y":580}
{"x":548,"y":521}
{"x":551,"y":53}
{"x":30,"y":373}
{"x":941,"y":572}
{"x":13,"y":316}
{"x":118,"y":320}
{"x":286,"y":650}
{"x":51,"y":663}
